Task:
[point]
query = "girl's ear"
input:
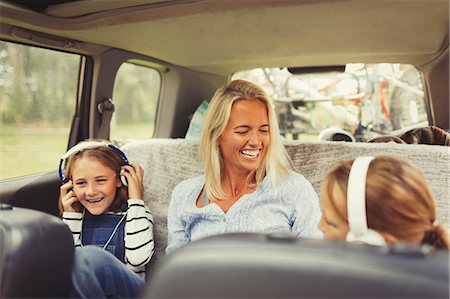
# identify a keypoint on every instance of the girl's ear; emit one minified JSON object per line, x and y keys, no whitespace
{"x":118,"y":182}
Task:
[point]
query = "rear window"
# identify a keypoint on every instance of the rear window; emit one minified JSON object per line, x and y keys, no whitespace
{"x":136,"y":94}
{"x":359,"y":103}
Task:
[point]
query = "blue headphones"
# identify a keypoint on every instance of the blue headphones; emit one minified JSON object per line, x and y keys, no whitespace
{"x":88,"y":145}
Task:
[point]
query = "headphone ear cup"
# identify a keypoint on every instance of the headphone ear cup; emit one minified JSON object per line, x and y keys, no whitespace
{"x":350,"y":237}
{"x":371,"y":237}
{"x":124,"y":180}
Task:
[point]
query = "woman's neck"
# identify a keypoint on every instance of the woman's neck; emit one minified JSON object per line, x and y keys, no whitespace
{"x":236,"y":184}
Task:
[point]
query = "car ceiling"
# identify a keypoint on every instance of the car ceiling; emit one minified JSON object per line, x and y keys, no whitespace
{"x":223,"y":36}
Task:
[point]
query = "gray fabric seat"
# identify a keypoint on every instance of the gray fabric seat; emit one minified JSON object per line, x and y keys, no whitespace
{"x":167,"y":162}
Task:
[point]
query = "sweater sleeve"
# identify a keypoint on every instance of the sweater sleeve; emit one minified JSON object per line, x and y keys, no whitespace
{"x":177,"y":235}
{"x":307,"y":212}
{"x":74,"y":221}
{"x":139,"y":244}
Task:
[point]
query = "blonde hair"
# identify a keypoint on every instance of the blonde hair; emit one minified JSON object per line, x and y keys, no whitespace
{"x":276,"y":162}
{"x":399,"y":201}
{"x":108,"y":157}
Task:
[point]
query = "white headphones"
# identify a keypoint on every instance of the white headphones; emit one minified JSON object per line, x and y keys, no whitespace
{"x":87,"y":145}
{"x":356,"y":205}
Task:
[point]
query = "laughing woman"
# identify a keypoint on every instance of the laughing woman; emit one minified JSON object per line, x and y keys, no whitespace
{"x":248,"y":184}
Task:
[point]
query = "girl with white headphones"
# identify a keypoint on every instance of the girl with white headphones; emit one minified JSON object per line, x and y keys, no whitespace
{"x":379,"y":201}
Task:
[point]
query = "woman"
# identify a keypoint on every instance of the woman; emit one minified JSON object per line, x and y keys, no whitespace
{"x":248,"y":184}
{"x":395,"y":196}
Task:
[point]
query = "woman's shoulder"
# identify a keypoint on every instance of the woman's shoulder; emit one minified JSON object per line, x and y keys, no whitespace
{"x":186,"y":191}
{"x":287,"y":180}
{"x":189,"y":186}
{"x":191,"y":182}
{"x":296,"y":183}
{"x":295,"y":178}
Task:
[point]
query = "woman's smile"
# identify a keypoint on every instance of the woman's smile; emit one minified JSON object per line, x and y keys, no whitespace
{"x":250,"y":153}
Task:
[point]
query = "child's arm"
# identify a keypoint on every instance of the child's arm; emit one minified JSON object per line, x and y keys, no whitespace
{"x":74,"y":220}
{"x":68,"y":200}
{"x":70,"y":207}
{"x":139,"y":244}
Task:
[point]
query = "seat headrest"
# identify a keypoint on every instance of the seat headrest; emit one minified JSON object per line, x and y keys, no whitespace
{"x":268,"y":266}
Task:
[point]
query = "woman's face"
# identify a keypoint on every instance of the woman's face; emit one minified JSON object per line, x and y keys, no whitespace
{"x":244,"y":141}
{"x":95,"y":185}
{"x":333,"y":226}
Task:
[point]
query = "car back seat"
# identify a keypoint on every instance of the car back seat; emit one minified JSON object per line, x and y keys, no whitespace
{"x":167,"y":162}
{"x":36,"y":252}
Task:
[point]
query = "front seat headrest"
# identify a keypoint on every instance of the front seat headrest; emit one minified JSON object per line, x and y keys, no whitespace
{"x":36,"y":252}
{"x":268,"y":266}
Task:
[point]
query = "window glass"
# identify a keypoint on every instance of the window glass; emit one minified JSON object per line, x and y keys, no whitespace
{"x":38,"y":92}
{"x":135,"y":96}
{"x":365,"y":101}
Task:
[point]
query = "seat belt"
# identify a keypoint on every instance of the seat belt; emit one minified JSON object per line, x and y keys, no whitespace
{"x":106,"y":109}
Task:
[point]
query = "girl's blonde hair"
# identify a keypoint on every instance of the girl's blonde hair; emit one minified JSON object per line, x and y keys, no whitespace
{"x":399,"y":201}
{"x":108,"y":157}
{"x":276,"y":162}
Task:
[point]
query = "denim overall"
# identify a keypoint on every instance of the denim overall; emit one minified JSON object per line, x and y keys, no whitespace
{"x":97,"y":231}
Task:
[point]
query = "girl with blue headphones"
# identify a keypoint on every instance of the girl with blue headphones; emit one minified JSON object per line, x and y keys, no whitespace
{"x":101,"y":200}
{"x":379,"y":201}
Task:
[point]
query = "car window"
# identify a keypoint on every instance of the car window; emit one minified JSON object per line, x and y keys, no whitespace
{"x":38,"y":92}
{"x":135,"y":95}
{"x":362,"y":102}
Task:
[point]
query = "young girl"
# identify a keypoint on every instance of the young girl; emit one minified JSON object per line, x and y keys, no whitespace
{"x":398,"y":204}
{"x":100,"y":209}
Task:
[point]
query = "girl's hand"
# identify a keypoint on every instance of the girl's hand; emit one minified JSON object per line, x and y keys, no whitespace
{"x":68,"y":199}
{"x":135,"y":176}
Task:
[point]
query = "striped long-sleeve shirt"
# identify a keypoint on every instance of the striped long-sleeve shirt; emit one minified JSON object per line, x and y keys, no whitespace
{"x":139,"y":244}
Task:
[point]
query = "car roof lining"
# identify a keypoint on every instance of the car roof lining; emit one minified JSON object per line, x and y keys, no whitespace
{"x":214,"y":33}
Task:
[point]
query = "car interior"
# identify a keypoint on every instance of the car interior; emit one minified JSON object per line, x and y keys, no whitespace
{"x":140,"y":74}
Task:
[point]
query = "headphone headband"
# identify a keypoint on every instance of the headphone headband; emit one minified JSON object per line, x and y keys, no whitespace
{"x":356,"y":196}
{"x":89,"y":145}
{"x":356,"y":205}
{"x":82,"y":146}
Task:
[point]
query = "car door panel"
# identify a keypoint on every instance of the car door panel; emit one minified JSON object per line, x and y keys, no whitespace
{"x":36,"y":192}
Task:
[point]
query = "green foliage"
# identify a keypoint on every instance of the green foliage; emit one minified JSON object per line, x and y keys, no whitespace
{"x":26,"y":151}
{"x":38,"y":90}
{"x":136,"y":92}
{"x":37,"y":86}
